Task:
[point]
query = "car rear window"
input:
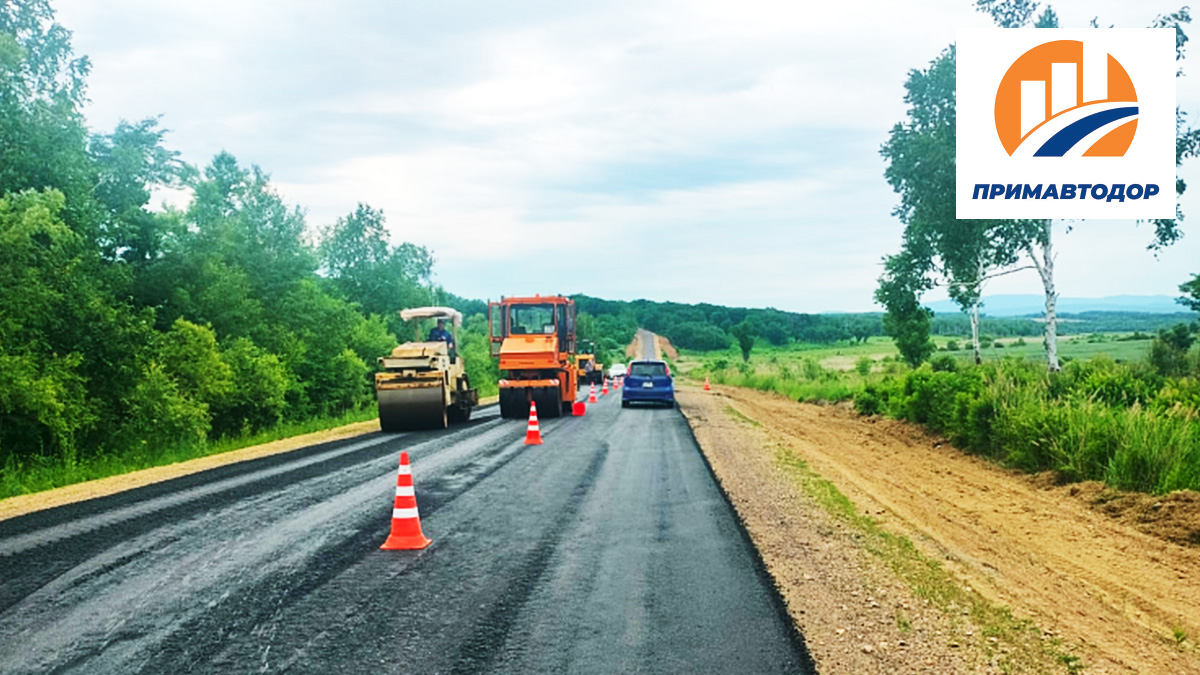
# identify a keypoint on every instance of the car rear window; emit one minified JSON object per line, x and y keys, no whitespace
{"x":647,"y":369}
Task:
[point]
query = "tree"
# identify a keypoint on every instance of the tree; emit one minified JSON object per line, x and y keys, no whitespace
{"x":744,"y":333}
{"x":1191,"y":293}
{"x":366,"y":269}
{"x":129,"y":162}
{"x":43,"y":137}
{"x":920,"y":155}
{"x":1169,"y":350}
{"x":906,"y":321}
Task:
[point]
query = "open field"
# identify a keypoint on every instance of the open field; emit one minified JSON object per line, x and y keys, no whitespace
{"x":843,"y":356}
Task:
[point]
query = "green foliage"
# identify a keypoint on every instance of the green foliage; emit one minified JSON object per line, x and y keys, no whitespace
{"x":608,"y":334}
{"x":744,"y":333}
{"x":698,"y":335}
{"x":130,"y":337}
{"x":162,"y":416}
{"x":364,"y":268}
{"x":906,"y":320}
{"x":1169,"y":350}
{"x":482,"y":370}
{"x":1191,"y":293}
{"x":258,"y":396}
{"x":1099,"y":420}
{"x":863,"y":365}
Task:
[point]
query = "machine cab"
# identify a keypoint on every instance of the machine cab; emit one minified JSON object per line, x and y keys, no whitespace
{"x":536,"y":316}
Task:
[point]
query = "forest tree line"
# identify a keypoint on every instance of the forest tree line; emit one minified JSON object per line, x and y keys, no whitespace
{"x":125,"y":328}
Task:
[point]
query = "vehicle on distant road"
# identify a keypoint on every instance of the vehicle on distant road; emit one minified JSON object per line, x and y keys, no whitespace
{"x":617,"y":370}
{"x":648,"y":381}
{"x":589,"y":370}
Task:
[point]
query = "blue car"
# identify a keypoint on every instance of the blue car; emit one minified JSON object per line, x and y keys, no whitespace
{"x":650,"y":382}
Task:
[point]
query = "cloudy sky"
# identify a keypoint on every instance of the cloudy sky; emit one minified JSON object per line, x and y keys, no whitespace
{"x":725,"y":152}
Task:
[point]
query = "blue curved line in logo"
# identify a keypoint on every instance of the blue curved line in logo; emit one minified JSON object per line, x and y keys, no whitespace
{"x":1065,"y":139}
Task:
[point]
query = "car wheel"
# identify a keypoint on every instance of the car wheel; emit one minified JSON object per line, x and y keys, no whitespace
{"x":624,"y":404}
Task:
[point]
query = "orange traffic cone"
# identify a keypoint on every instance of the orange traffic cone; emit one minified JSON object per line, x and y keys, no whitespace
{"x":533,"y":435}
{"x":406,"y":532}
{"x":604,"y":389}
{"x":706,"y":385}
{"x":616,"y":383}
{"x":592,"y":394}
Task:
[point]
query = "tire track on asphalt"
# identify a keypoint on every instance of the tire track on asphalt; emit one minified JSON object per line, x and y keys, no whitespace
{"x":490,"y":633}
{"x":204,"y":638}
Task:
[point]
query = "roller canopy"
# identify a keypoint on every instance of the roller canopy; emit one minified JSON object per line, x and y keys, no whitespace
{"x":432,"y":313}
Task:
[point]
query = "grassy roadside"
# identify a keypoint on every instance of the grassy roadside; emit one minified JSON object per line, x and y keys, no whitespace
{"x":1122,"y":423}
{"x":1016,"y":645}
{"x":33,"y":477}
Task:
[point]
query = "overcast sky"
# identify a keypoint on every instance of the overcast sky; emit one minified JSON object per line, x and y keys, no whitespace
{"x":723,"y":152}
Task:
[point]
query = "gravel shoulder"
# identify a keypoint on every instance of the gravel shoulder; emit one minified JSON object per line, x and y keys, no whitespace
{"x":1098,"y":595}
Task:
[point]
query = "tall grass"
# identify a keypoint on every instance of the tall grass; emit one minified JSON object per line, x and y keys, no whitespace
{"x":1122,"y":424}
{"x":830,"y":386}
{"x":1095,"y":421}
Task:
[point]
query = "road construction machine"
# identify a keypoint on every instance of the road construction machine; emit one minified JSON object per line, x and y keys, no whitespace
{"x":423,"y":384}
{"x":585,"y":374}
{"x":534,"y":339}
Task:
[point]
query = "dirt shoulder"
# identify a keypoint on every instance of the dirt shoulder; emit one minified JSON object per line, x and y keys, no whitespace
{"x":1098,"y":594}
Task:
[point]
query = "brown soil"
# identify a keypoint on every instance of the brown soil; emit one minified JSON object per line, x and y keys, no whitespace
{"x":1174,"y":517}
{"x":664,"y":346}
{"x":845,"y":602}
{"x":1124,"y":596}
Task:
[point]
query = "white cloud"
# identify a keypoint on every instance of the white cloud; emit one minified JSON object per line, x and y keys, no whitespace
{"x":727,"y":151}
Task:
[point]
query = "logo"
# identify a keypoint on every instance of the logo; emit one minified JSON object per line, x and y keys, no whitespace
{"x":1066,"y":99}
{"x":1065,"y":123}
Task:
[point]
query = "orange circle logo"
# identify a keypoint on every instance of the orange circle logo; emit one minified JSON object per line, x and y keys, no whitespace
{"x":1065,"y":99}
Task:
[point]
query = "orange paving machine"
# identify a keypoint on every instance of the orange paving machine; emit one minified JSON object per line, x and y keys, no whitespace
{"x":534,"y":338}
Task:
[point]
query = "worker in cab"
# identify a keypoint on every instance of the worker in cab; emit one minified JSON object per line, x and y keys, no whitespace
{"x":439,"y":334}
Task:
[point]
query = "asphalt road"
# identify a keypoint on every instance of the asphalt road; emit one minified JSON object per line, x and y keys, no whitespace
{"x":607,"y":549}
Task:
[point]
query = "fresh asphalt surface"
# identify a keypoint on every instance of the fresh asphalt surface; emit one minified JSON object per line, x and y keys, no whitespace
{"x":607,"y":549}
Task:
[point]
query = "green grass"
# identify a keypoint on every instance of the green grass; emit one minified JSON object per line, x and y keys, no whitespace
{"x":1097,"y":420}
{"x":1019,"y":647}
{"x":841,"y":356}
{"x":37,"y":476}
{"x":739,"y":416}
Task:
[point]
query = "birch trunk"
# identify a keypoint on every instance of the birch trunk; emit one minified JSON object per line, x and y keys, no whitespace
{"x":975,"y":331}
{"x":975,"y":313}
{"x":1045,"y":268}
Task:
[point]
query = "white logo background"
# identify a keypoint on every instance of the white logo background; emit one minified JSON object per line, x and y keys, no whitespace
{"x":985,"y":55}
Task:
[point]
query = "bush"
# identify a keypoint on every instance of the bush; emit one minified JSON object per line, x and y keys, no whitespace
{"x":812,"y":369}
{"x":863,"y":365}
{"x":944,"y":363}
{"x":868,"y":401}
{"x":952,"y":346}
{"x":1169,"y":351}
{"x":1097,"y":420}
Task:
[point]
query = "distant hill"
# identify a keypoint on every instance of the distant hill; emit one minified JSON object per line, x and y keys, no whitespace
{"x":1021,"y":305}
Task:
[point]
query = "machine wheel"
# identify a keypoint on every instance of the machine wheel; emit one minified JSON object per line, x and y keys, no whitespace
{"x":548,"y":403}
{"x":457,"y":414}
{"x":510,"y":404}
{"x":410,"y":409}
